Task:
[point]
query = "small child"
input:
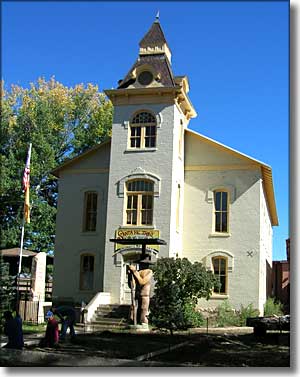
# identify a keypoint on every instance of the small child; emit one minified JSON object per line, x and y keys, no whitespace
{"x":52,"y":333}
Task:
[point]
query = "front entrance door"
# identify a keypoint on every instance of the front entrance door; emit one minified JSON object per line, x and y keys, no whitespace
{"x":125,"y":290}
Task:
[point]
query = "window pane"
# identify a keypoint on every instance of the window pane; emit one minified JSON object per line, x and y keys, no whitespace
{"x":217,"y":201}
{"x":222,"y":266}
{"x":139,"y":185}
{"x":128,"y":221}
{"x":223,"y":284}
{"x":218,"y":222}
{"x":224,"y":201}
{"x":216,"y":265}
{"x":135,"y":200}
{"x":217,"y":289}
{"x":219,"y":268}
{"x":90,"y":215}
{"x":224,"y":222}
{"x":87,"y":272}
{"x":143,"y":117}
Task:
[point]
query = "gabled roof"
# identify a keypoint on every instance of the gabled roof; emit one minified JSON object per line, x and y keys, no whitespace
{"x":15,"y":252}
{"x":154,"y":36}
{"x":71,"y":161}
{"x":266,"y":171}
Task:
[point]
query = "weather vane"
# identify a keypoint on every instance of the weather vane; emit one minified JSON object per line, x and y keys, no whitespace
{"x":157,"y":16}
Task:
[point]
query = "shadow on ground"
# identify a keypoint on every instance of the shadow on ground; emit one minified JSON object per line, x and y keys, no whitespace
{"x":155,"y":349}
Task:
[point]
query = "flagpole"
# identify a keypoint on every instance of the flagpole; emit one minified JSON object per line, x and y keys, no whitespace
{"x":22,"y":241}
{"x":23,"y":226}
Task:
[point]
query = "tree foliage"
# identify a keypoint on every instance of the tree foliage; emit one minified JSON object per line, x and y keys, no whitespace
{"x":60,"y":122}
{"x":178,"y":286}
{"x":7,"y":288}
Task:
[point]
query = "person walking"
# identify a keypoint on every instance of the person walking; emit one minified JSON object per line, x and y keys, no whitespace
{"x":13,"y":330}
{"x":67,"y":316}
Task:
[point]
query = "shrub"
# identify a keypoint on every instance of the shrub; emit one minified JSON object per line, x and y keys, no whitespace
{"x":246,"y":312}
{"x":226,"y":315}
{"x":178,"y":285}
{"x":273,"y":307}
{"x":193,"y":317}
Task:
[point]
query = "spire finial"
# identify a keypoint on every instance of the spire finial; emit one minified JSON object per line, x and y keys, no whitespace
{"x":157,"y":17}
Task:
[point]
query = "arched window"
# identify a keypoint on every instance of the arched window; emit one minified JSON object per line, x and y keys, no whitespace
{"x":87,"y":271}
{"x":220,"y":271}
{"x":90,"y":211}
{"x":143,"y":130}
{"x":221,"y":204}
{"x":139,"y":208}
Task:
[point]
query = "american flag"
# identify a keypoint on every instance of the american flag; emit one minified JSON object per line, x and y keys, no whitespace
{"x":25,"y":184}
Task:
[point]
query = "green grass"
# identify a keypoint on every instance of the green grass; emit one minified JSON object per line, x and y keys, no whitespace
{"x":29,"y":328}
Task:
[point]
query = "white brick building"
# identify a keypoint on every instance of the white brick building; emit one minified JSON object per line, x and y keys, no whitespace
{"x":157,"y":178}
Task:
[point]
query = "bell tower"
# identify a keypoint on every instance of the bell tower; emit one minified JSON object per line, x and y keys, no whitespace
{"x":146,"y":178}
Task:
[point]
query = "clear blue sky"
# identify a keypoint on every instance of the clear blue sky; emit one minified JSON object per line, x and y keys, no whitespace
{"x":234,"y":53}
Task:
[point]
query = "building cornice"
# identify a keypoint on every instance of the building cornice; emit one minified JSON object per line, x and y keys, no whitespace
{"x":153,"y":95}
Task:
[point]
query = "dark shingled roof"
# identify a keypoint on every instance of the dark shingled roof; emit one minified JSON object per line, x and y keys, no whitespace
{"x":15,"y":252}
{"x":159,"y":62}
{"x":154,"y":36}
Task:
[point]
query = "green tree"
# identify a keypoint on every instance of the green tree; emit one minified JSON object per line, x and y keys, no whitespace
{"x":60,"y":122}
{"x":178,"y":285}
{"x":7,"y":288}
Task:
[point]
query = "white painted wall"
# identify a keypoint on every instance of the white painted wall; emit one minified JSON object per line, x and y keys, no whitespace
{"x":162,"y":162}
{"x":246,"y":280}
{"x":70,"y":240}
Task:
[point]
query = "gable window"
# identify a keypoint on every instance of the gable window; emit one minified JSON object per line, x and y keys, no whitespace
{"x":145,"y":78}
{"x":143,"y":131}
{"x":139,"y":207}
{"x":221,"y":211}
{"x":87,"y":272}
{"x":220,"y":271}
{"x":90,"y":211}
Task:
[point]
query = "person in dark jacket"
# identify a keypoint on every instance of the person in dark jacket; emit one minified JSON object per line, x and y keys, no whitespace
{"x":13,"y":330}
{"x":67,"y":316}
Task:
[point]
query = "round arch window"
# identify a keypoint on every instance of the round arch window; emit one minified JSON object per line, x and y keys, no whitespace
{"x":145,"y":78}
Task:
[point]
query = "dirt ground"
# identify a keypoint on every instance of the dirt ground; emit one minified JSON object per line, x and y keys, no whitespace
{"x":197,"y":350}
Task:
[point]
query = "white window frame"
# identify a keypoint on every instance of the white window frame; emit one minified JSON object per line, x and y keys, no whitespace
{"x":85,"y":211}
{"x":220,"y":211}
{"x":226,"y":274}
{"x":142,"y":126}
{"x":139,"y":209}
{"x":81,"y":272}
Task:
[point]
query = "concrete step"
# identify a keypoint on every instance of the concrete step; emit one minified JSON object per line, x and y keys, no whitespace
{"x":113,"y":311}
{"x":108,"y":320}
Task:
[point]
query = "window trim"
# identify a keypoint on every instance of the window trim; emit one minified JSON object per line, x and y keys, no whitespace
{"x":84,"y":219}
{"x":214,"y":231}
{"x":139,"y":195}
{"x":143,"y":136}
{"x":219,"y":257}
{"x":86,"y":254}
